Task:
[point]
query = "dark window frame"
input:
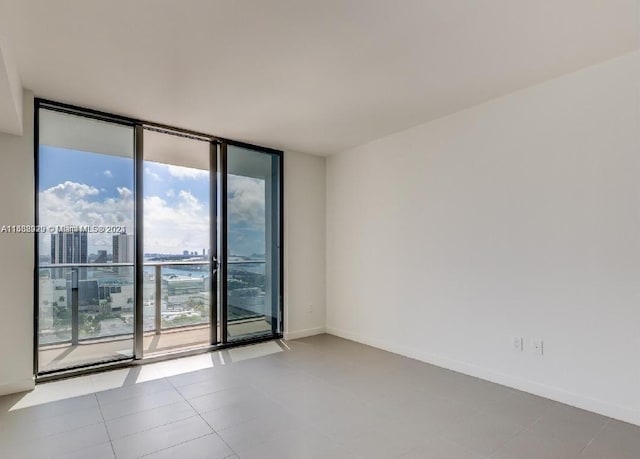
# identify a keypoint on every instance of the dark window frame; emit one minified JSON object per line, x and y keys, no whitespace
{"x":218,"y":183}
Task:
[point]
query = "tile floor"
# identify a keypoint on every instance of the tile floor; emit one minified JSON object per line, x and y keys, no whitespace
{"x":319,"y":397}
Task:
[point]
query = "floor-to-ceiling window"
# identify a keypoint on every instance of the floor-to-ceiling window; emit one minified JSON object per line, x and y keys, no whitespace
{"x":151,"y":240}
{"x":85,"y":287}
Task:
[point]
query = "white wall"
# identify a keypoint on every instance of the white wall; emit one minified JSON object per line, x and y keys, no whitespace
{"x":518,"y":217}
{"x":16,"y":257}
{"x":304,"y":237}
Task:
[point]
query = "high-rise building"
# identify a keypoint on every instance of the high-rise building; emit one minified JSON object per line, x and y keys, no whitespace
{"x":123,"y":248}
{"x":69,"y":247}
{"x":102,"y":257}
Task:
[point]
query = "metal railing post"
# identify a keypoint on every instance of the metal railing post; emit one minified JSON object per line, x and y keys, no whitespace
{"x":158,"y":302}
{"x":75,"y":319}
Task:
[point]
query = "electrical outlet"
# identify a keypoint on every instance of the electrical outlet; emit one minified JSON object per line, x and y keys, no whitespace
{"x":310,"y":308}
{"x":537,"y":347}
{"x":517,"y":343}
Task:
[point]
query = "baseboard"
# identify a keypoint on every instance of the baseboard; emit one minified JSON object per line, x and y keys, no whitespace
{"x":304,"y":333}
{"x":553,"y":393}
{"x":13,"y":387}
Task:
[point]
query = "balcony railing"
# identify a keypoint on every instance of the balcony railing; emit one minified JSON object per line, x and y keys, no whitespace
{"x":92,"y":301}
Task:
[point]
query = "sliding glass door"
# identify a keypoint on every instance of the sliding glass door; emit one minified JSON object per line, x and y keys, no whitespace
{"x":179,"y":199}
{"x":252,"y":282}
{"x":150,"y":240}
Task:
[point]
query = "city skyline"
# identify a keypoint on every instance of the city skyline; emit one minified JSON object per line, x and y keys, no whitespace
{"x":77,"y":241}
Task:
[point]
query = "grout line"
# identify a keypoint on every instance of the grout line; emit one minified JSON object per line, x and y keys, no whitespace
{"x":61,"y":432}
{"x":48,"y":436}
{"x":136,"y":397}
{"x":154,"y":427}
{"x":205,"y":421}
{"x":159,"y":425}
{"x":179,"y":443}
{"x":526,"y":429}
{"x":463,"y":447}
{"x":105,"y":425}
{"x":594,"y":437}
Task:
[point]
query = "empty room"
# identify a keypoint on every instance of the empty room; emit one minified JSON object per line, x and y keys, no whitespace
{"x":320,"y":229}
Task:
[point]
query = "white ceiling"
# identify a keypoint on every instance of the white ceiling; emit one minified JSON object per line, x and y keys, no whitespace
{"x":312,"y":76}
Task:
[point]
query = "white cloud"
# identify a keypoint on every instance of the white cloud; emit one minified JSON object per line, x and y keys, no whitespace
{"x":186,"y":172}
{"x":124,"y":192}
{"x":108,"y":173}
{"x":183,"y":225}
{"x":171,"y":228}
{"x":153,"y":175}
{"x":68,"y":204}
{"x":246,"y":201}
{"x":72,"y":190}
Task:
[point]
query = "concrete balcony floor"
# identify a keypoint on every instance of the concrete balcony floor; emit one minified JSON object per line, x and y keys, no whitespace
{"x":61,"y":356}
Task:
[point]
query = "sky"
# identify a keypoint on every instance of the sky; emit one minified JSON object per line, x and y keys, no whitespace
{"x":81,"y":188}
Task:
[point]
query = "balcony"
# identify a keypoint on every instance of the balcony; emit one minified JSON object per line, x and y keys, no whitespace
{"x":87,"y":310}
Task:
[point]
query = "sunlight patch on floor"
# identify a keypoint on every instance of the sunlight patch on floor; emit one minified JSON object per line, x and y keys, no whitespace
{"x":113,"y":379}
